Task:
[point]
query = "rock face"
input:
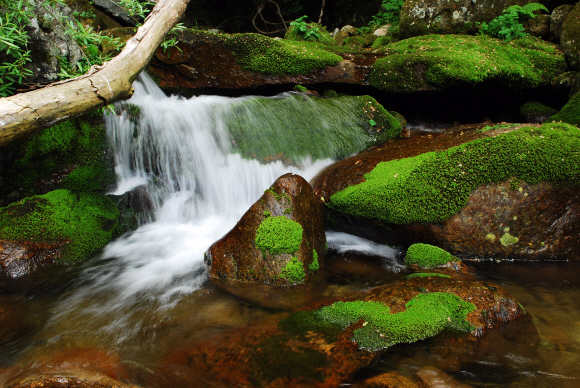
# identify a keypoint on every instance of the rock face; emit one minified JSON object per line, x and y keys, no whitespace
{"x":538,"y":26}
{"x":557,"y":19}
{"x":423,"y":17}
{"x":279,"y":240}
{"x":306,"y":349}
{"x":569,"y":38}
{"x":512,"y":215}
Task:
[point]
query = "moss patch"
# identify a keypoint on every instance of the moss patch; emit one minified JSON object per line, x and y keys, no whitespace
{"x":294,"y":271}
{"x":440,"y":61}
{"x":298,"y":127}
{"x":425,"y":275}
{"x":570,"y":113}
{"x":426,"y":315}
{"x":314,"y":266}
{"x":536,"y":108}
{"x":425,"y":255}
{"x":87,"y":221}
{"x":434,"y":186}
{"x":321,"y":35}
{"x":507,"y":239}
{"x":279,"y":235}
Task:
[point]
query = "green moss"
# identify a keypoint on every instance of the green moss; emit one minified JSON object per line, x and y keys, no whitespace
{"x":87,"y":221}
{"x":507,"y":239}
{"x":536,"y":108}
{"x":288,"y":210}
{"x":425,"y":275}
{"x":449,"y":60}
{"x":265,"y":55}
{"x":302,"y":322}
{"x":314,"y":266}
{"x":499,"y":126}
{"x":425,"y":255}
{"x":294,"y":271}
{"x":426,"y":315}
{"x":315,"y":127}
{"x":279,"y":235}
{"x":570,"y":113}
{"x":300,"y":88}
{"x":267,"y":213}
{"x":382,"y":41}
{"x":434,"y":186}
{"x":91,"y":178}
{"x":354,"y":42}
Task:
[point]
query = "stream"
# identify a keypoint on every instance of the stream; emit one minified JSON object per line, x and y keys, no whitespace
{"x":148,"y":291}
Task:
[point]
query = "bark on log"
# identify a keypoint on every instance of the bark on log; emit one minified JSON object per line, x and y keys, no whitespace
{"x":27,"y":113}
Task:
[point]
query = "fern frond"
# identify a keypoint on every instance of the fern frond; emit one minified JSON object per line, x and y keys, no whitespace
{"x":533,"y":7}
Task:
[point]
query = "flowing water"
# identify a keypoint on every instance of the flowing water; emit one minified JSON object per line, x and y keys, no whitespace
{"x":148,"y":292}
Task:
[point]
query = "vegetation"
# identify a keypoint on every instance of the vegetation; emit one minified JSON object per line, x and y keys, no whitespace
{"x":533,"y":108}
{"x":428,"y":256}
{"x":312,"y":32}
{"x":434,"y":186}
{"x":314,"y":266}
{"x":426,"y":315}
{"x":509,"y":25}
{"x":85,"y":222}
{"x":279,"y":235}
{"x":465,"y":60}
{"x":294,"y":271}
{"x":570,"y":113}
{"x":425,"y":275}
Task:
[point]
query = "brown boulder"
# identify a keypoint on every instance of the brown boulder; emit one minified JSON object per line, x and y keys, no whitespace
{"x":301,"y":351}
{"x":538,"y":26}
{"x":279,"y":240}
{"x":557,"y":19}
{"x":19,"y":258}
{"x":569,"y":38}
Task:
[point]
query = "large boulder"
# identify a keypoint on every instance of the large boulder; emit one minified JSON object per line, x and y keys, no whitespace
{"x":59,"y":226}
{"x":557,"y":19}
{"x":327,"y":343}
{"x":423,"y":17}
{"x":279,"y":240}
{"x":497,"y":196}
{"x":569,"y":38}
{"x":437,"y":62}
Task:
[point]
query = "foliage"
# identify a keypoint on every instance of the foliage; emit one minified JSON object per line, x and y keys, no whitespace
{"x":136,"y":8}
{"x":450,"y":60}
{"x":390,"y":13}
{"x":427,"y":256}
{"x":307,"y":31}
{"x":85,"y":222}
{"x":509,"y":24}
{"x":294,"y":271}
{"x":279,"y":235}
{"x":426,"y":315}
{"x":434,"y":186}
{"x":314,"y":266}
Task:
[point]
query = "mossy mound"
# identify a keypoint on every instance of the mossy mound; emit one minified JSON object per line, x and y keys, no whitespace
{"x":570,"y":113}
{"x":265,"y":55}
{"x":279,"y":235}
{"x":536,"y":108}
{"x":86,"y":221}
{"x":426,"y":315}
{"x":321,"y":35}
{"x":428,"y":256}
{"x":434,"y":186}
{"x":43,"y":160}
{"x":441,"y":61}
{"x":357,"y":123}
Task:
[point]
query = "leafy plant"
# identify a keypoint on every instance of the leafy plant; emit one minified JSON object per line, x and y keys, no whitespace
{"x":307,"y":31}
{"x":172,"y":37}
{"x":390,"y":13}
{"x":84,"y":14}
{"x":136,"y":8}
{"x":509,"y":25}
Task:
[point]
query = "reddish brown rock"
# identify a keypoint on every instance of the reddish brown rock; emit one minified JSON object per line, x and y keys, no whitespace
{"x":237,"y":257}
{"x":19,"y":258}
{"x":432,"y":377}
{"x":388,"y":380}
{"x":290,"y":353}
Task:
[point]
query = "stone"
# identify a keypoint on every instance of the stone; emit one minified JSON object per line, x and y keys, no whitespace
{"x":423,"y":17}
{"x":388,"y":380}
{"x":383,"y":31}
{"x":340,"y":37}
{"x":280,"y":240}
{"x":508,"y":218}
{"x":119,"y":13}
{"x":538,"y":26}
{"x":569,"y":38}
{"x":304,"y":350}
{"x":432,"y":377}
{"x":350,"y":30}
{"x":557,"y":18}
{"x":536,"y":113}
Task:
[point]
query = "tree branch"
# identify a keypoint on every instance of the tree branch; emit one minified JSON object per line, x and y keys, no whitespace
{"x":27,"y":113}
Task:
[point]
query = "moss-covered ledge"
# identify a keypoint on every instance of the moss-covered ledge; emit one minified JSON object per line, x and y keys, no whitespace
{"x":436,"y":62}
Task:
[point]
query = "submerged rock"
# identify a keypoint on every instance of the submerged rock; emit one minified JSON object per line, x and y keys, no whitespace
{"x":497,"y":196}
{"x":279,"y":240}
{"x":315,"y":347}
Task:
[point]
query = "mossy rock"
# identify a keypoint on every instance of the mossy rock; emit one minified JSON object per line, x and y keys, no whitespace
{"x":354,"y":42}
{"x":536,"y":112}
{"x":382,"y":41}
{"x":314,"y":127}
{"x":570,"y":113}
{"x":434,"y":186}
{"x":321,"y":35}
{"x":437,"y":62}
{"x":69,"y":155}
{"x":85,"y":222}
{"x":569,"y":38}
{"x":428,"y":256}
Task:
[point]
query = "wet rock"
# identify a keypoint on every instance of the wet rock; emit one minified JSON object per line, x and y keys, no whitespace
{"x":423,"y":17}
{"x":119,"y":13}
{"x":432,"y":377}
{"x":13,"y":318}
{"x":279,"y":240}
{"x":388,"y":380}
{"x":304,"y":350}
{"x":557,"y":18}
{"x":19,"y":258}
{"x":569,"y":38}
{"x":538,"y":26}
{"x":135,"y":208}
{"x":506,"y":219}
